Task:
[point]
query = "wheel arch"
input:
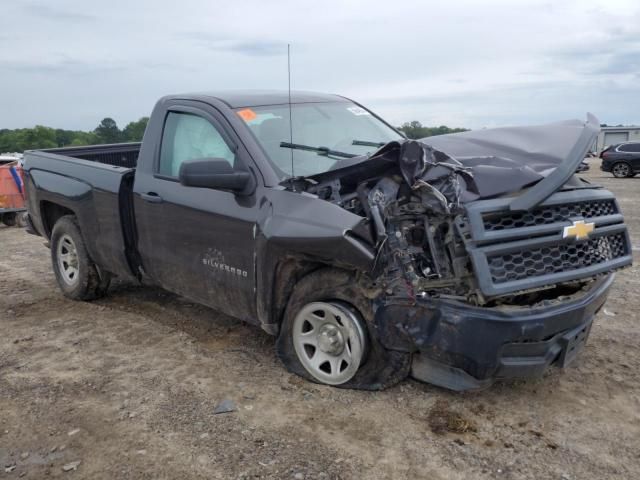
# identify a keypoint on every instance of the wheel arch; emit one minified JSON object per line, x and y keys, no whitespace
{"x":287,"y":274}
{"x":50,"y":213}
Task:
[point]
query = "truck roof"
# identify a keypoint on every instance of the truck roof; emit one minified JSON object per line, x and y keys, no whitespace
{"x":255,"y":98}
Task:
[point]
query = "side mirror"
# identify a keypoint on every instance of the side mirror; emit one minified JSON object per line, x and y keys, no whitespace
{"x":214,"y":173}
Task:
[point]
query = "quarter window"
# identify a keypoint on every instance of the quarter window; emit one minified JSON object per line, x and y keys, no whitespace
{"x":188,"y":137}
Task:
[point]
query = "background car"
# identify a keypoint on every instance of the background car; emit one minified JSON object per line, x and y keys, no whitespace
{"x":622,"y":159}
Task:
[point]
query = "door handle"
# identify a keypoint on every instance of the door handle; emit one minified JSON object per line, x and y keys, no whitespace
{"x":151,"y":197}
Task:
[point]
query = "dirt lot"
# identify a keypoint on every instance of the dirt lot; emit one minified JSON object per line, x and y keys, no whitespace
{"x":128,"y":386}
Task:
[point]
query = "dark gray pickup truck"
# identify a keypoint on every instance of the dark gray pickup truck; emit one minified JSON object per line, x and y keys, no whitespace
{"x":459,"y":259}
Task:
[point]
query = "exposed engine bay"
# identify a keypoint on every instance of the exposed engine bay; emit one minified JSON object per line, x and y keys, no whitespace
{"x":413,"y":213}
{"x":412,"y":203}
{"x":413,"y":197}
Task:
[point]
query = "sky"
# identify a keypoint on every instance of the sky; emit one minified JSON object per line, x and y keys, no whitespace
{"x":461,"y":63}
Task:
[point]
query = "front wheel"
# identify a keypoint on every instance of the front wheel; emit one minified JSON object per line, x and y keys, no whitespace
{"x":78,"y":276}
{"x":329,"y":341}
{"x":327,"y":335}
{"x":621,"y":170}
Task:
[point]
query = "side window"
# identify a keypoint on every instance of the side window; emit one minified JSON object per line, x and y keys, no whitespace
{"x":187,"y":137}
{"x":630,"y":147}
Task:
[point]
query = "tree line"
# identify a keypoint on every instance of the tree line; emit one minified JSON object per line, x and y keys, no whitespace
{"x":107,"y":131}
{"x":416,"y":130}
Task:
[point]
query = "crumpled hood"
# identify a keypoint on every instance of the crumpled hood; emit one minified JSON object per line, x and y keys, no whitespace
{"x":504,"y":160}
{"x":539,"y":147}
{"x":498,"y":161}
{"x":484,"y":163}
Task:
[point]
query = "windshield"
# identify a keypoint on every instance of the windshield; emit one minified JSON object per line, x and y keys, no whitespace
{"x":323,"y":134}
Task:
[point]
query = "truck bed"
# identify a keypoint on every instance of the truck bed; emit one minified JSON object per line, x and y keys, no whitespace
{"x":116,"y":154}
{"x":93,"y":183}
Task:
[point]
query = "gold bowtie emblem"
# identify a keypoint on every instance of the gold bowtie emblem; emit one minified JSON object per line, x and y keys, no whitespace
{"x":579,"y":230}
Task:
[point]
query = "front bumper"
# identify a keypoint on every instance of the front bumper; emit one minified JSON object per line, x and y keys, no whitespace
{"x":462,"y":347}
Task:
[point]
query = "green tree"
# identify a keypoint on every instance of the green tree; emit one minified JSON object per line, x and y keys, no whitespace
{"x":134,"y":131}
{"x":108,"y":131}
{"x":39,"y":136}
{"x":84,"y":138}
{"x":7,"y":140}
{"x":416,"y":130}
{"x":64,"y":137}
{"x":26,"y":138}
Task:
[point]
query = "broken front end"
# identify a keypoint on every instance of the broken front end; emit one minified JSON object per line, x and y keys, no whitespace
{"x":487,"y":266}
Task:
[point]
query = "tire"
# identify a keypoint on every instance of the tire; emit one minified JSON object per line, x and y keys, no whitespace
{"x":78,"y":276}
{"x":337,"y":291}
{"x":621,"y":170}
{"x":9,"y":219}
{"x":22,"y":219}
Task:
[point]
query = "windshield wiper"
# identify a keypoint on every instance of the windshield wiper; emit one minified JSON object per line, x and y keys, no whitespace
{"x":364,"y":143}
{"x":320,"y":150}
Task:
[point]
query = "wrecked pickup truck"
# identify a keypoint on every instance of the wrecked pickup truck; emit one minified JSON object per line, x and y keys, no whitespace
{"x":458,"y":259}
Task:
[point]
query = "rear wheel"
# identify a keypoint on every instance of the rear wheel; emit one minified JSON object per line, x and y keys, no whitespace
{"x":621,"y":170}
{"x":327,"y":335}
{"x":22,"y":219}
{"x":78,"y":276}
{"x":9,"y":219}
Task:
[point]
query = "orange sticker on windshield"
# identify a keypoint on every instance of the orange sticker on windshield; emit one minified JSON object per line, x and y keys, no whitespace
{"x":247,"y":114}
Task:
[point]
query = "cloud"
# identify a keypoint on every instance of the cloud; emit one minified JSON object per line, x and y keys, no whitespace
{"x":621,"y":63}
{"x":51,"y":13}
{"x":62,"y":67}
{"x":610,"y":51}
{"x":259,"y":49}
{"x":69,"y":63}
{"x":249,"y":47}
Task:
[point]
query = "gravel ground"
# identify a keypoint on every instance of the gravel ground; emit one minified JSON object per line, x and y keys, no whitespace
{"x":128,"y":386}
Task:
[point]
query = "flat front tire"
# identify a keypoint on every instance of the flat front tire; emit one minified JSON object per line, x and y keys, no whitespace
{"x":78,"y":276}
{"x":327,"y":335}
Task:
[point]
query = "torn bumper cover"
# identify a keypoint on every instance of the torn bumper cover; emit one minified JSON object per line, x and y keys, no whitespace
{"x":462,"y":347}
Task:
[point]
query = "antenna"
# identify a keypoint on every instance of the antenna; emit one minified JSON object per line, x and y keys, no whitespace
{"x":290,"y":116}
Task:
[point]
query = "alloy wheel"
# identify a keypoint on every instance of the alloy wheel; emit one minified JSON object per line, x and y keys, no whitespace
{"x":621,"y":170}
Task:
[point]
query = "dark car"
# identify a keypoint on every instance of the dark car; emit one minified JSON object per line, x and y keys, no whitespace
{"x":622,"y":159}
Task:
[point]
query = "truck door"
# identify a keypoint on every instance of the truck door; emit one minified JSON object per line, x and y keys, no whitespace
{"x":197,"y":242}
